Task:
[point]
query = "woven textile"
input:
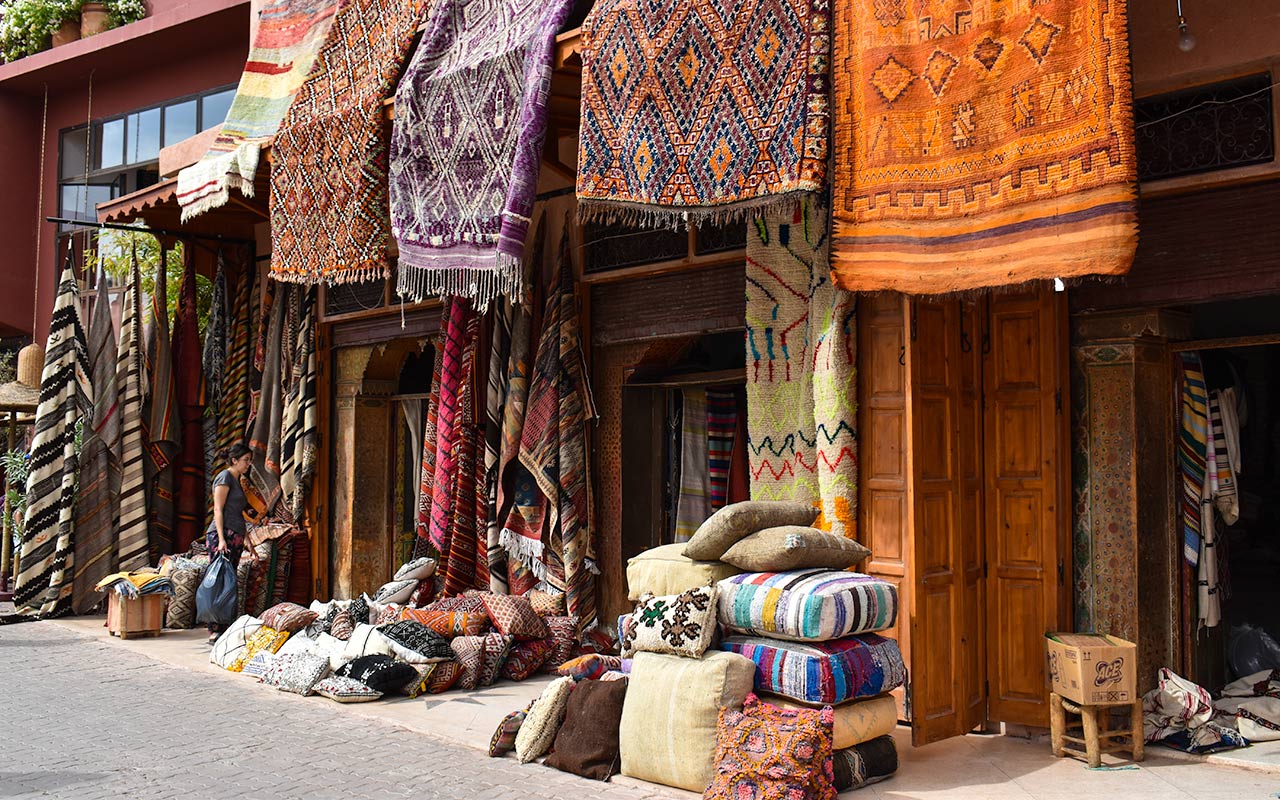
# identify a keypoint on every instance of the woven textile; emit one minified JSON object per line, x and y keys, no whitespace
{"x":453,"y":372}
{"x":329,"y":173}
{"x":514,"y":616}
{"x":981,"y":147}
{"x":702,"y":110}
{"x":722,"y":420}
{"x":823,"y":672}
{"x":213,"y":361}
{"x":1193,"y":439}
{"x":812,"y":605}
{"x":47,"y":554}
{"x":768,"y":753}
{"x":693,"y":505}
{"x":300,"y":432}
{"x":466,"y":506}
{"x":160,"y":422}
{"x":289,"y":35}
{"x":264,"y":437}
{"x":189,"y":393}
{"x":422,"y":544}
{"x":98,"y":489}
{"x":233,"y":409}
{"x":449,"y":624}
{"x":864,"y":764}
{"x":801,"y":370}
{"x":855,"y":722}
{"x":471,"y":118}
{"x":495,"y":398}
{"x":130,"y":380}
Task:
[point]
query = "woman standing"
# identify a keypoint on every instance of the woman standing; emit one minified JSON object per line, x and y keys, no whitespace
{"x":226,"y":533}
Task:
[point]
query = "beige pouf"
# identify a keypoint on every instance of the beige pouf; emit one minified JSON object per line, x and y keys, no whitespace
{"x":666,"y":570}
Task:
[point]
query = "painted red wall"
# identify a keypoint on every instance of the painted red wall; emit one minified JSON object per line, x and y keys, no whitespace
{"x":20,"y":164}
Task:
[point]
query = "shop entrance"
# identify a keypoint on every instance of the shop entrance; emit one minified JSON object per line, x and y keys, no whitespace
{"x":963,"y":498}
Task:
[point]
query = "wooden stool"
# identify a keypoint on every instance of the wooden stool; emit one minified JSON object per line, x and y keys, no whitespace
{"x":1095,"y":730}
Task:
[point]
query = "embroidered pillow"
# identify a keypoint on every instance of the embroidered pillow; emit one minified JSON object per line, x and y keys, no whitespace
{"x":773,"y":753}
{"x":504,"y":738}
{"x":546,"y":603}
{"x":297,"y":673}
{"x":430,"y":675}
{"x":365,"y":640}
{"x":258,"y":665}
{"x":263,"y":640}
{"x":359,"y":610}
{"x":513,"y":615}
{"x":415,"y":643}
{"x":396,"y":591}
{"x":423,"y":594}
{"x":564,"y":637}
{"x":526,"y":658}
{"x":794,"y":547}
{"x":587,"y":743}
{"x":449,"y":623}
{"x":289,"y":617}
{"x":381,"y":673}
{"x":416,"y":570}
{"x":471,"y":604}
{"x":345,"y":690}
{"x":343,"y":624}
{"x":496,"y":649}
{"x":590,"y":667}
{"x":543,"y":720}
{"x":182,"y":606}
{"x":297,"y":643}
{"x":231,"y":643}
{"x":732,"y":523}
{"x":443,"y":678}
{"x":682,"y":625}
{"x":468,"y":652}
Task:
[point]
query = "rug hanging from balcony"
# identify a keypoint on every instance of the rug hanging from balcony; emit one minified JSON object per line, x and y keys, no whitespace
{"x":289,"y":35}
{"x":801,"y":369}
{"x":466,"y":148}
{"x":329,"y":215}
{"x":98,"y":490}
{"x":130,"y":379}
{"x":299,"y":434}
{"x":706,"y":110}
{"x":160,"y":423}
{"x":978,"y":148}
{"x":43,"y":586}
{"x":190,"y":500}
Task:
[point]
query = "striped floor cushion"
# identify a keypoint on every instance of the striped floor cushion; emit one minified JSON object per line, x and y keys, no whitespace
{"x":823,"y":672}
{"x":808,"y":605}
{"x":865,"y":764}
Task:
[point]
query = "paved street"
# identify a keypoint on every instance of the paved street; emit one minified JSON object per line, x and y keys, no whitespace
{"x":83,"y":718}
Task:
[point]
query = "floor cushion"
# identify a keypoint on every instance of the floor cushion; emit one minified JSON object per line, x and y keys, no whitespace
{"x":181,"y":613}
{"x":589,"y":667}
{"x":564,"y":637}
{"x":297,"y":643}
{"x":365,"y":640}
{"x":526,"y":658}
{"x":855,"y":722}
{"x":468,"y":652}
{"x":296,"y":672}
{"x":823,"y":672}
{"x":382,"y":673}
{"x":814,"y":605}
{"x":415,"y":643}
{"x":770,"y":753}
{"x":231,"y":643}
{"x":541,"y":724}
{"x":666,"y":570}
{"x":345,"y":690}
{"x":343,"y":624}
{"x":497,"y":647}
{"x":416,"y":570}
{"x":865,"y":763}
{"x":547,"y":604}
{"x":359,"y":609}
{"x":793,"y":547}
{"x":289,"y":617}
{"x":444,"y":677}
{"x":504,"y":738}
{"x":396,"y":591}
{"x":730,"y":524}
{"x":429,"y":676}
{"x":449,"y":623}
{"x":587,"y":743}
{"x":470,"y":603}
{"x":682,"y":625}
{"x":669,"y":716}
{"x":263,"y":640}
{"x":513,"y":615}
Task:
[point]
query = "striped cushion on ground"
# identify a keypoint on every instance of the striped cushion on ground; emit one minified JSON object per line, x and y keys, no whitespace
{"x":865,"y":763}
{"x":809,"y":605}
{"x":823,"y":672}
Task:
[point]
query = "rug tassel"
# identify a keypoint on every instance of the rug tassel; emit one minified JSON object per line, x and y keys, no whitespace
{"x":525,"y":550}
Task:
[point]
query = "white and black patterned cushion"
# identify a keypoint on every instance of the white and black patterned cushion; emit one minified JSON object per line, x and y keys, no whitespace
{"x":297,"y":673}
{"x":345,"y":690}
{"x":359,"y":609}
{"x":416,"y":570}
{"x":396,"y":591}
{"x":415,"y":643}
{"x":379,"y":672}
{"x":231,"y":644}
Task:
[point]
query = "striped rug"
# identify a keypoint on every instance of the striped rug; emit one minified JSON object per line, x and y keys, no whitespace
{"x":130,"y":379}
{"x":264,"y":439}
{"x":299,"y":432}
{"x":694,"y":503}
{"x":98,"y":492}
{"x":188,"y":392}
{"x":44,"y":581}
{"x":722,"y":421}
{"x":1193,"y":438}
{"x":233,"y":411}
{"x":160,"y":425}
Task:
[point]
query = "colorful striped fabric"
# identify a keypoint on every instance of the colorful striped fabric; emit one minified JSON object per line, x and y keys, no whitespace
{"x":722,"y":422}
{"x":1193,"y":438}
{"x":160,"y":422}
{"x":233,"y":410}
{"x":823,"y":672}
{"x":189,"y":393}
{"x":290,"y":33}
{"x":812,"y":605}
{"x":864,"y":764}
{"x":422,"y":545}
{"x":693,"y":505}
{"x":453,"y":373}
{"x":130,"y":380}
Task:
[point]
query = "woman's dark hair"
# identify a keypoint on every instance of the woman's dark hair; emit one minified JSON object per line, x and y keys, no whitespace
{"x":235,"y":452}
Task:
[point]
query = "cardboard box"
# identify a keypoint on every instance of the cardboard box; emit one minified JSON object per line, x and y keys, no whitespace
{"x":140,"y":616}
{"x":1092,"y":669}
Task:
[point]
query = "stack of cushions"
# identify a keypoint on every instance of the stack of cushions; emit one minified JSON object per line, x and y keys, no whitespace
{"x":667,"y":570}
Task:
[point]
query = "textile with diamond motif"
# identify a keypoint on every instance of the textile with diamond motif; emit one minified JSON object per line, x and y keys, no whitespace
{"x":471,"y":117}
{"x":329,"y":216}
{"x":701,"y":109}
{"x":981,"y":144}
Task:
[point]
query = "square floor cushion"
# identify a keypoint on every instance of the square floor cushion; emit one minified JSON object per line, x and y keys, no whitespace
{"x":667,"y":570}
{"x":547,"y":604}
{"x":382,"y":673}
{"x":770,"y":753}
{"x":854,"y":722}
{"x":396,"y":591}
{"x":669,"y":716}
{"x":865,"y":763}
{"x":503,"y":740}
{"x":296,"y":672}
{"x":794,"y":547}
{"x":732,"y":523}
{"x":365,"y":640}
{"x":468,"y":653}
{"x":542,"y":723}
{"x":513,"y":615}
{"x":432,"y":678}
{"x":682,"y":625}
{"x":415,"y":643}
{"x":345,"y":690}
{"x":231,"y":643}
{"x":526,"y":658}
{"x":263,"y":640}
{"x":564,"y":638}
{"x":450,"y":623}
{"x":416,"y":570}
{"x":497,"y":648}
{"x":814,"y":605}
{"x":289,"y":617}
{"x":587,"y":743}
{"x":823,"y":672}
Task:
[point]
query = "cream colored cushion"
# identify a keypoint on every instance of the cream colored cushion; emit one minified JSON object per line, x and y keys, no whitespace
{"x":731,"y":523}
{"x":666,"y":570}
{"x":233,"y":641}
{"x":365,"y":640}
{"x":668,"y":732}
{"x":856,"y":722}
{"x":791,"y":547}
{"x":542,"y":723}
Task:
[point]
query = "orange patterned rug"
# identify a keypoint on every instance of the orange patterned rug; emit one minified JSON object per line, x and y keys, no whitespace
{"x":981,"y":143}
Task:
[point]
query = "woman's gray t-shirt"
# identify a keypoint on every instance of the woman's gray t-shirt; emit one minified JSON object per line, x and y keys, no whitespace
{"x":233,"y":511}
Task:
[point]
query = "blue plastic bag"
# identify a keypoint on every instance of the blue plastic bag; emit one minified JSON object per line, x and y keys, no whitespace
{"x":216,"y":597}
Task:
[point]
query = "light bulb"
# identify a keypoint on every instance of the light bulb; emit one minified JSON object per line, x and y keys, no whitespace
{"x":1186,"y":39}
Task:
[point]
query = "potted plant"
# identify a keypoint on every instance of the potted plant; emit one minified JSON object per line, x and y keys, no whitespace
{"x":94,"y":19}
{"x":26,"y":26}
{"x":68,"y":13}
{"x":122,"y":12}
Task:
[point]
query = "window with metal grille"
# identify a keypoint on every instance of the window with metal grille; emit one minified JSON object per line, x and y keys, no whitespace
{"x":348,"y":298}
{"x":1206,"y":128}
{"x":610,"y":247}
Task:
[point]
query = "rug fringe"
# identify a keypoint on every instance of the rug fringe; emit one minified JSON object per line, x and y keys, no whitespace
{"x":525,"y":550}
{"x":643,"y":215}
{"x":480,"y":286}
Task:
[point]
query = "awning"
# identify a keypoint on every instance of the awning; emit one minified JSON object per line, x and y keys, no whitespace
{"x":157,"y":207}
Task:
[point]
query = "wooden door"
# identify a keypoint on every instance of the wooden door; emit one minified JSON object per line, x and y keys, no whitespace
{"x":1026,"y":464}
{"x":944,"y":498}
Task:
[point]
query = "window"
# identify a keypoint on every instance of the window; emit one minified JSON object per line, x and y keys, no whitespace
{"x":214,"y":108}
{"x":109,"y":144}
{"x":143,"y":136}
{"x":180,"y":122}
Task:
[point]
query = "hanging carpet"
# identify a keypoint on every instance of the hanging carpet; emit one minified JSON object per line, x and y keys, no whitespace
{"x":43,"y":585}
{"x":698,"y":110}
{"x":98,"y":490}
{"x":299,"y":423}
{"x":233,"y":406}
{"x":290,"y":33}
{"x":160,"y":424}
{"x":214,"y":364}
{"x":329,"y":173}
{"x":496,"y":389}
{"x":722,"y":423}
{"x":455,"y":369}
{"x":131,"y":377}
{"x":264,"y":439}
{"x":190,"y":499}
{"x":422,"y":544}
{"x":988,"y":147}
{"x":466,"y":504}
{"x":693,"y":503}
{"x":801,"y":370}
{"x":1193,"y":441}
{"x":471,"y":119}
